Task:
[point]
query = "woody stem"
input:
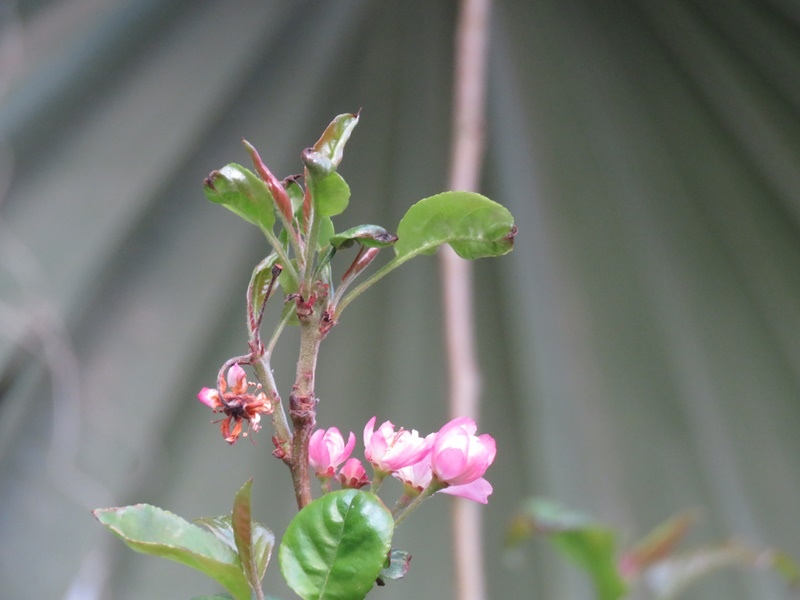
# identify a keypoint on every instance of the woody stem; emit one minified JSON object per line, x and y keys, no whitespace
{"x":302,"y":406}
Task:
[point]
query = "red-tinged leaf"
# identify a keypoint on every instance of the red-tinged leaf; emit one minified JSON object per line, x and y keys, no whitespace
{"x":243,"y":193}
{"x":276,"y":189}
{"x":254,"y":542}
{"x":331,"y":143}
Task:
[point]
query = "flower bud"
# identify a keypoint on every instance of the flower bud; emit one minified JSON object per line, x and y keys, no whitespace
{"x":352,"y":474}
{"x":327,"y":450}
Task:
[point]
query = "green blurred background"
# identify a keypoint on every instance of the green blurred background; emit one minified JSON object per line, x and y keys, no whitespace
{"x":640,"y":347}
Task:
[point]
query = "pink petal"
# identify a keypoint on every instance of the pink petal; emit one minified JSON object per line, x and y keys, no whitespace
{"x":209,"y":397}
{"x":478,"y":490}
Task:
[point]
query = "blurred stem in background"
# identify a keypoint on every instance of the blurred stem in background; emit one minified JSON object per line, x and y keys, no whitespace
{"x":469,"y":92}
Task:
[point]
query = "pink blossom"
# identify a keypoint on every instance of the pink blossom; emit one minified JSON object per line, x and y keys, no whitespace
{"x":459,"y":456}
{"x":419,"y":476}
{"x":327,"y":450}
{"x":389,"y":450}
{"x":353,"y":475}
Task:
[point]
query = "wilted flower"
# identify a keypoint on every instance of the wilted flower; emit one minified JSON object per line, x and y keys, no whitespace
{"x":234,"y":400}
{"x":327,"y":450}
{"x":460,"y":457}
{"x":352,"y":474}
{"x":389,"y":450}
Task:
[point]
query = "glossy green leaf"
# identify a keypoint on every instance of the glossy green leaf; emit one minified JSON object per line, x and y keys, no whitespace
{"x":336,"y":546}
{"x":330,"y":194}
{"x":243,"y":192}
{"x":667,"y":579}
{"x":331,"y":143}
{"x":151,"y":530}
{"x":254,"y":542}
{"x":371,"y":236}
{"x":588,"y":544}
{"x":471,"y":224}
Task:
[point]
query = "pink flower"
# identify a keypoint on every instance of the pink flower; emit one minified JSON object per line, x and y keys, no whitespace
{"x":353,"y":475}
{"x":389,"y":450}
{"x":458,"y":456}
{"x":327,"y":450}
{"x":419,"y":476}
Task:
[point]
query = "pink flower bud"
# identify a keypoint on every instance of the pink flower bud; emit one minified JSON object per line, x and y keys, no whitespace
{"x":353,"y":475}
{"x":327,"y":450}
{"x":237,"y":379}
{"x":389,"y":450}
{"x":458,"y":456}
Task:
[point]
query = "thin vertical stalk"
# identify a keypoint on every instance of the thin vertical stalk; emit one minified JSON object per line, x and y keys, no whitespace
{"x":464,"y":378}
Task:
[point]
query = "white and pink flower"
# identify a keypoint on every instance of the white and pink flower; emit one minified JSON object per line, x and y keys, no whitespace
{"x":389,"y":450}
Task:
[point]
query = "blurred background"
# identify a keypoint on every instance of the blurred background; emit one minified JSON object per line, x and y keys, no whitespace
{"x":640,"y":347}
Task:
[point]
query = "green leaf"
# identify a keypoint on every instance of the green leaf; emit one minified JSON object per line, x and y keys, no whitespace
{"x":589,"y":545}
{"x":220,"y":527}
{"x":396,"y":566}
{"x":151,"y":530}
{"x":259,"y":286}
{"x":295,"y":193}
{"x":331,"y":143}
{"x":471,"y":224}
{"x":214,"y":597}
{"x":330,"y":194}
{"x":371,"y":236}
{"x":335,"y":547}
{"x":326,"y":232}
{"x":243,"y":192}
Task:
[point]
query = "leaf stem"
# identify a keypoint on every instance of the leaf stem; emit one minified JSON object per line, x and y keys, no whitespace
{"x":278,"y":247}
{"x":433,"y":487}
{"x":311,"y":248}
{"x":367,"y":283}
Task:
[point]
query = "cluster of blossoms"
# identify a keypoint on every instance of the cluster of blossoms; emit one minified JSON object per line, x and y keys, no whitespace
{"x":237,"y":403}
{"x":452,"y":460}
